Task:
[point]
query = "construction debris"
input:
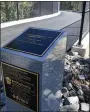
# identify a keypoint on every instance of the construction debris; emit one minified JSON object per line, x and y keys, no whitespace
{"x":76,"y":83}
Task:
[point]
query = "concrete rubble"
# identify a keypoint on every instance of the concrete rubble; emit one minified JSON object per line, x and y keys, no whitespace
{"x":76,"y":84}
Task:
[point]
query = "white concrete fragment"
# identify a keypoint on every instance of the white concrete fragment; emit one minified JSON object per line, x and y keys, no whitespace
{"x":79,"y":49}
{"x":82,"y":77}
{"x":70,"y":108}
{"x":85,"y":107}
{"x":73,"y":99}
{"x":75,"y":53}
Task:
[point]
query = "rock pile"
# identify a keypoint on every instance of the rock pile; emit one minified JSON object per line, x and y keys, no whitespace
{"x":76,"y":84}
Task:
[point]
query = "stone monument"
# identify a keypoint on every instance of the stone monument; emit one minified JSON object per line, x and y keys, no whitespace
{"x":32,"y":68}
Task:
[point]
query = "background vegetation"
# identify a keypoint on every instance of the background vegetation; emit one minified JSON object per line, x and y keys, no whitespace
{"x":11,"y":11}
{"x":16,"y":10}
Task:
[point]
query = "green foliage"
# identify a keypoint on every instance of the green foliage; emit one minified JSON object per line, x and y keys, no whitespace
{"x":11,"y":11}
{"x":25,"y":9}
{"x":8,"y":11}
{"x":71,"y":5}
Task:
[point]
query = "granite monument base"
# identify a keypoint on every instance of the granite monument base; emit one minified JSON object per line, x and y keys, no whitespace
{"x":32,"y":68}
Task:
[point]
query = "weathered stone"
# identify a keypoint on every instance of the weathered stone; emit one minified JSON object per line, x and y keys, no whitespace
{"x":69,"y":86}
{"x":72,"y":93}
{"x":87,"y":83}
{"x":81,"y":67}
{"x":71,"y":53}
{"x":70,"y":108}
{"x":84,"y":87}
{"x":79,"y":71}
{"x":66,"y":102}
{"x":73,"y":99}
{"x":77,"y":87}
{"x":80,"y":92}
{"x":65,"y":92}
{"x":81,"y":77}
{"x":76,"y":84}
{"x":67,"y":78}
{"x":85,"y":107}
{"x":75,"y":53}
{"x":81,"y":98}
{"x":87,"y":95}
{"x":77,"y":64}
{"x":86,"y":69}
{"x":67,"y":67}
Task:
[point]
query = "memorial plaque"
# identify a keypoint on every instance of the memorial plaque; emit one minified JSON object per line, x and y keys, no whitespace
{"x":21,"y":86}
{"x":34,"y":41}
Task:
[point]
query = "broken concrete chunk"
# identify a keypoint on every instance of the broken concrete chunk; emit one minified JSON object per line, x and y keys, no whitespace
{"x":72,"y":93}
{"x":77,"y":81}
{"x":85,"y":107}
{"x":81,"y":77}
{"x":70,"y":108}
{"x":66,"y":101}
{"x":80,"y":92}
{"x":81,"y":98}
{"x":73,"y":99}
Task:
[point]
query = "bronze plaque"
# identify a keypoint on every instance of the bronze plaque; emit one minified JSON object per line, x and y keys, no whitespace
{"x":34,"y":41}
{"x":21,"y":86}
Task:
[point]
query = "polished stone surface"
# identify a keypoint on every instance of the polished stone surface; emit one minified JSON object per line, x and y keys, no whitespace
{"x":50,"y":69}
{"x":34,"y":41}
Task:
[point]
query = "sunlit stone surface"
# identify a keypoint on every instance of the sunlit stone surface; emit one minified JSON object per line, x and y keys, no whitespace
{"x":50,"y":70}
